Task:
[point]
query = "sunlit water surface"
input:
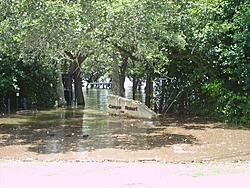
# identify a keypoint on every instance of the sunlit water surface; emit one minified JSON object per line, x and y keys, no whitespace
{"x":76,"y":128}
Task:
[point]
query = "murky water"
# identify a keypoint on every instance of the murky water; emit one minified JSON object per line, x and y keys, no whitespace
{"x":75,"y":128}
{"x":76,"y":133}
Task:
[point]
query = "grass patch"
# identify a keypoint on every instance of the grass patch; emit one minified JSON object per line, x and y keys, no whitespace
{"x":215,"y":168}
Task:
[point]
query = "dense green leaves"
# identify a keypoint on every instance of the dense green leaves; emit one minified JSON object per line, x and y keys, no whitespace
{"x":8,"y":77}
{"x":202,"y":45}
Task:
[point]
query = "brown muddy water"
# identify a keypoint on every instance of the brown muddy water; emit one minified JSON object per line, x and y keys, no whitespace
{"x":89,"y":134}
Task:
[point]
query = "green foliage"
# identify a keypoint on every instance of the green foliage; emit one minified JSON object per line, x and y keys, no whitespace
{"x":96,"y":67}
{"x":38,"y":85}
{"x":34,"y":81}
{"x":233,"y":107}
{"x":212,"y":89}
{"x":203,"y":45}
{"x":211,"y":64}
{"x":8,"y":77}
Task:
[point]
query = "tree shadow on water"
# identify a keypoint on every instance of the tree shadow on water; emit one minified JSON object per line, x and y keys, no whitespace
{"x":195,"y":127}
{"x":151,"y":141}
{"x":52,"y":133}
{"x":39,"y":138}
{"x":112,"y":135}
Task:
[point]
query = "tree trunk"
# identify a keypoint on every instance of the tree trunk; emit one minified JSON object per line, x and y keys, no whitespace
{"x":67,"y":81}
{"x":123,"y":72}
{"x":162,"y":96}
{"x":148,"y":90}
{"x":60,"y":89}
{"x":122,"y":81}
{"x":76,"y":73}
{"x":78,"y":88}
{"x":116,"y":89}
{"x":134,"y":82}
{"x":134,"y":86}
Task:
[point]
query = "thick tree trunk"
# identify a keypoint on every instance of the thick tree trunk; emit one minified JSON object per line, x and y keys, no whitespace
{"x":60,"y":89}
{"x":148,"y":90}
{"x":123,"y":72}
{"x":67,"y":81}
{"x":116,"y":89}
{"x":76,"y":73}
{"x":78,"y":90}
{"x":122,"y":81}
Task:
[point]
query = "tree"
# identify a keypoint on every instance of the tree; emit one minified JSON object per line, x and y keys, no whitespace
{"x":8,"y":78}
{"x":118,"y":31}
{"x":196,"y":50}
{"x":97,"y":67}
{"x":49,"y":29}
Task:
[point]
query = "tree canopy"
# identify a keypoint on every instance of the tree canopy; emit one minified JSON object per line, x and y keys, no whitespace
{"x":195,"y":52}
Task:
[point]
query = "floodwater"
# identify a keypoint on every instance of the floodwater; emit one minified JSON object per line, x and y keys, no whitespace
{"x":74,"y":128}
{"x":80,"y":133}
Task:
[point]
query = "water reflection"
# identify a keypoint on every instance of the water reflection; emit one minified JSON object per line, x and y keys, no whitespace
{"x":96,"y":99}
{"x":139,"y":95}
{"x":83,"y":129}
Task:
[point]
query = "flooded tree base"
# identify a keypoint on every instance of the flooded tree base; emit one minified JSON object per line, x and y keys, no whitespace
{"x":114,"y":139}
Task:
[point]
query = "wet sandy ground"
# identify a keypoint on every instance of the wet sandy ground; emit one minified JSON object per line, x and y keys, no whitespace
{"x":170,"y":153}
{"x":21,"y":174}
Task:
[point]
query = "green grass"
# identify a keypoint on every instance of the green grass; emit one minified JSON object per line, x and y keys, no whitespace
{"x":215,"y":168}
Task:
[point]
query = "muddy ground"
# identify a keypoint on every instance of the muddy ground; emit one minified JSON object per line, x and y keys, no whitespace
{"x":171,"y":140}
